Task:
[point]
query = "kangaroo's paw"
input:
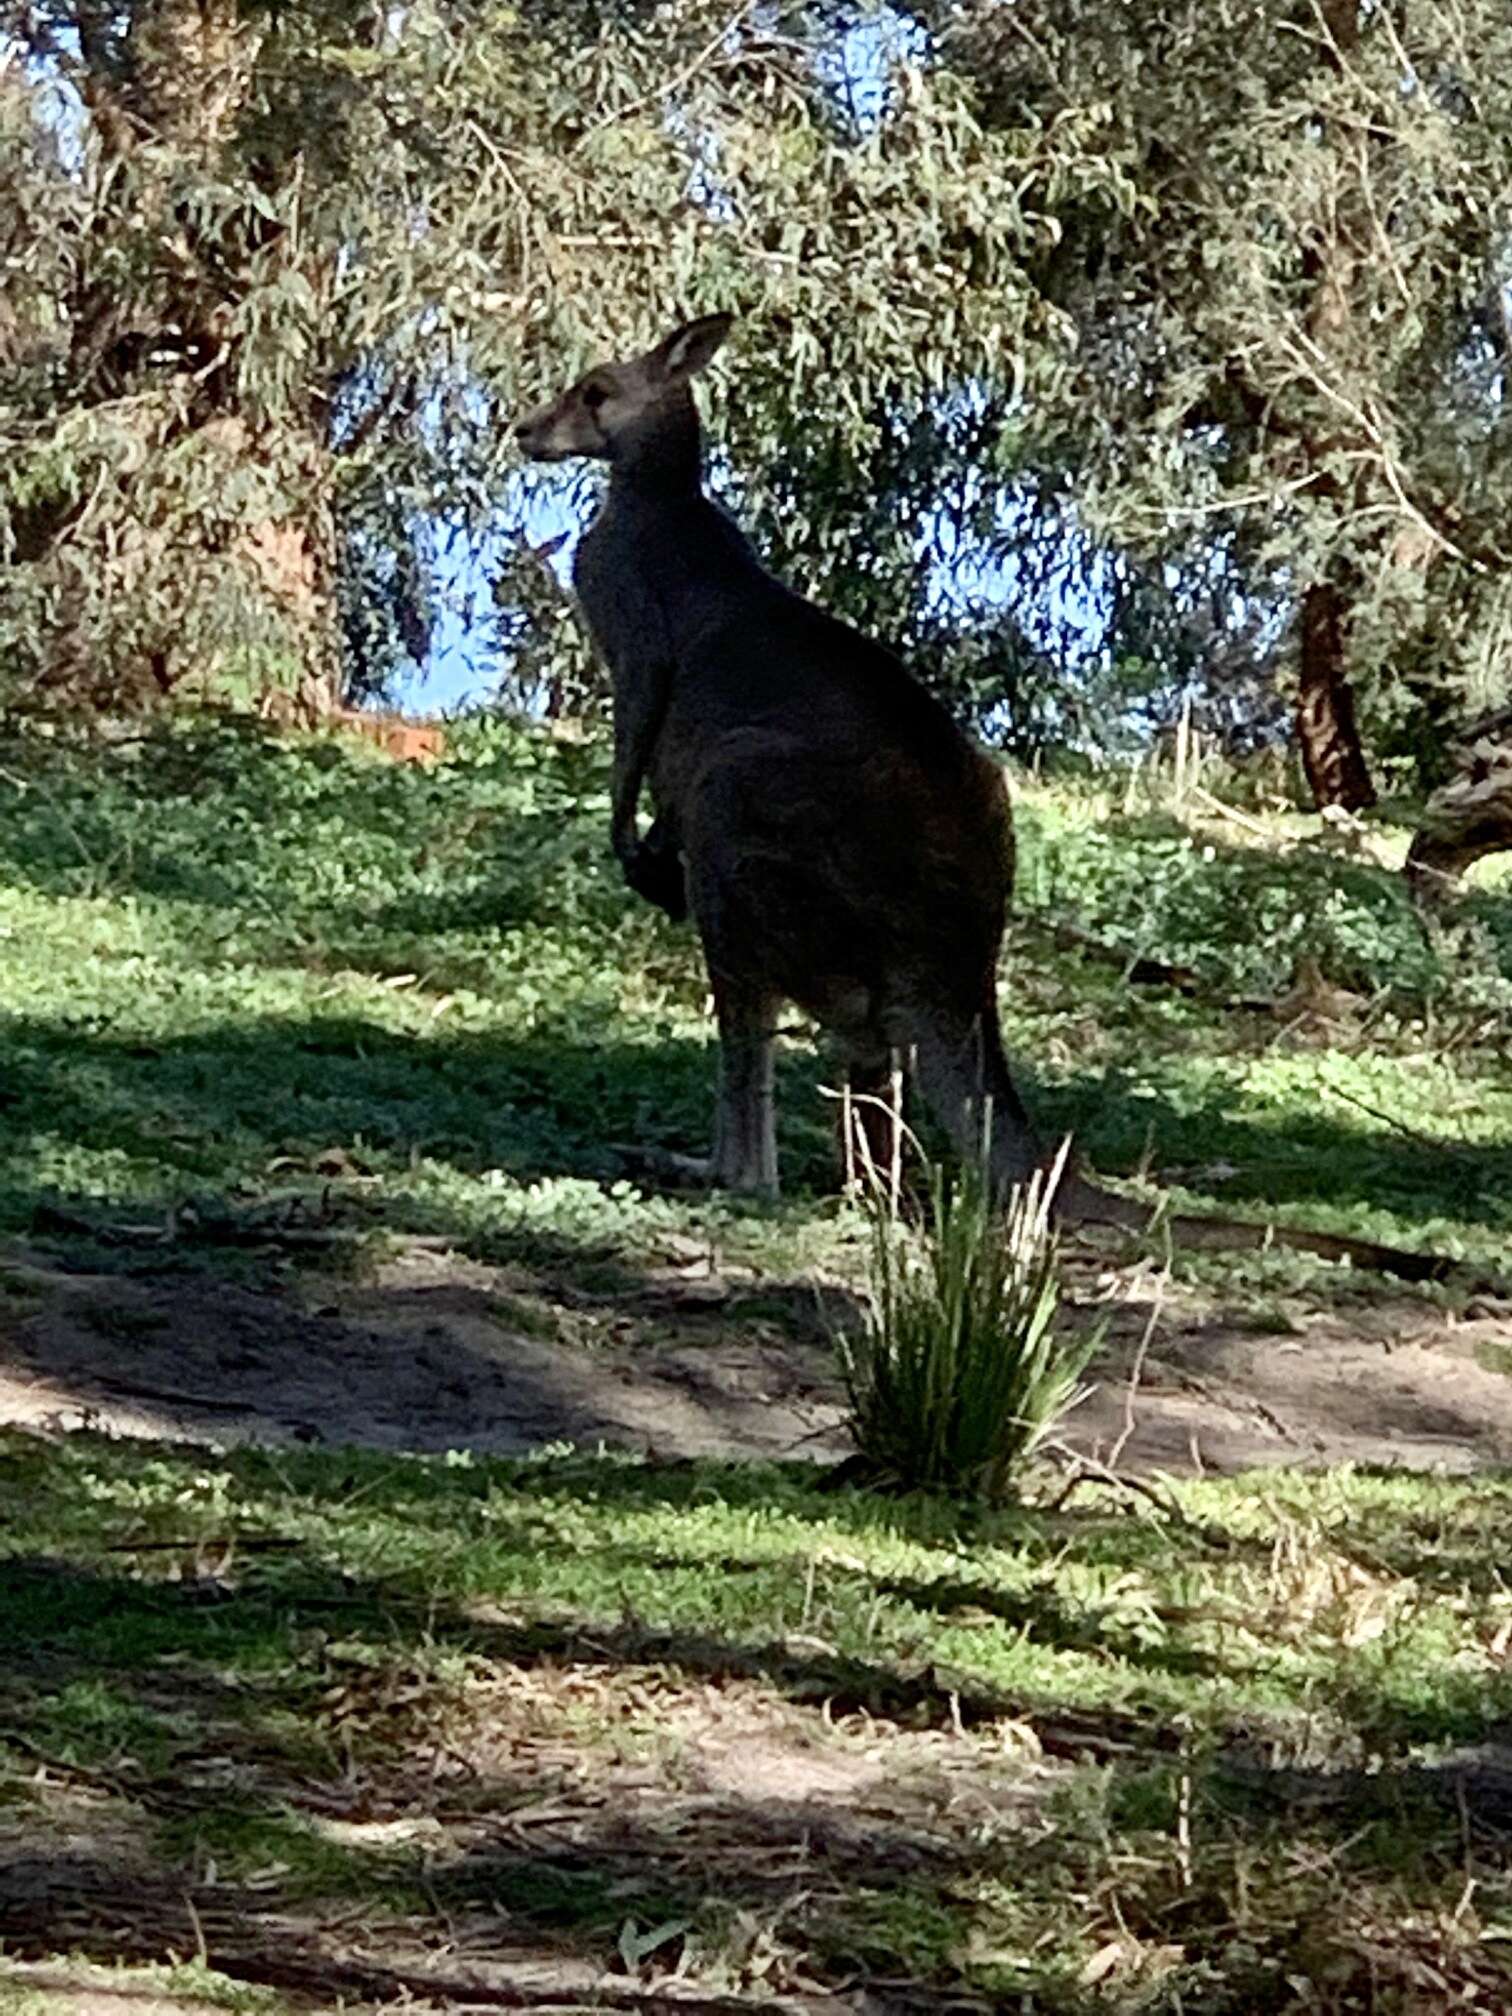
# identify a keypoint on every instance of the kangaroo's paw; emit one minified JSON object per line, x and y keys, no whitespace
{"x":656,"y":873}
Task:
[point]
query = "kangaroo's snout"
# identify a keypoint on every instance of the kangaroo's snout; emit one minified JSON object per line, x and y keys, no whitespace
{"x":532,"y":434}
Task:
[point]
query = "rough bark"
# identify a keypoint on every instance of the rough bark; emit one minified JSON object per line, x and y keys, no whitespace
{"x":1327,"y":734}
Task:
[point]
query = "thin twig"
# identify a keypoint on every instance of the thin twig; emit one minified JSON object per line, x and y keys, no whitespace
{"x":1393,"y":265}
{"x":212,"y":1403}
{"x":678,"y":82}
{"x":83,"y":1774}
{"x":1132,"y":1390}
{"x":1137,"y":968}
{"x":201,"y":1950}
{"x":1251,"y":825}
{"x":1089,"y":1470}
{"x":1216,"y":507}
{"x":1307,"y":357}
{"x":1399,"y":1126}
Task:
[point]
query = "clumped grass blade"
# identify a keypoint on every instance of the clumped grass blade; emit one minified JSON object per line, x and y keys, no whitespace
{"x":960,"y":1369}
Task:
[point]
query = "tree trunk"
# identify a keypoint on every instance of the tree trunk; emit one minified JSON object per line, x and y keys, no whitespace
{"x":1327,"y":733}
{"x":1337,"y":773}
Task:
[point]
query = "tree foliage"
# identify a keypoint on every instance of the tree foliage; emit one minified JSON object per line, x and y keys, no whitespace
{"x":1286,"y":303}
{"x":1101,"y":357}
{"x":280,"y":277}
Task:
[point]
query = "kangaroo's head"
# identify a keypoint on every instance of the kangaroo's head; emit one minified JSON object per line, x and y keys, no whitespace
{"x":621,"y":412}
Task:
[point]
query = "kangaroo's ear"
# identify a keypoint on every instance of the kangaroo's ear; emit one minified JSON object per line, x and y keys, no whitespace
{"x":688,"y":350}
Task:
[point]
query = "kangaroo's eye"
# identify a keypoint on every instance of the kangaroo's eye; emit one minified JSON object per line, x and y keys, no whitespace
{"x":594,"y":396}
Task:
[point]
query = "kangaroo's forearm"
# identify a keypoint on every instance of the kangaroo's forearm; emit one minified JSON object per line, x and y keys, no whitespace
{"x":640,"y":707}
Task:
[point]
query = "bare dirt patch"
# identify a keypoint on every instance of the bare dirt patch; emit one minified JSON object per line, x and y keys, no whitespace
{"x":1396,"y":1383}
{"x":436,"y":1352}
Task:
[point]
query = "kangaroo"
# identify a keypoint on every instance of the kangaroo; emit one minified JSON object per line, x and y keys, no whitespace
{"x":839,"y":840}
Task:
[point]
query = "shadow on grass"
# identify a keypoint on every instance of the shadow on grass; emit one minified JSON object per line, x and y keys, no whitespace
{"x":1320,"y":1158}
{"x":316,"y":859}
{"x":251,"y":1107}
{"x":362,"y":1782}
{"x":257,"y":1104}
{"x":1228,"y":893}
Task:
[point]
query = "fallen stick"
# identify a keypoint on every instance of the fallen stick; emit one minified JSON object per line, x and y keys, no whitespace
{"x":172,"y":1396}
{"x":225,"y":1543}
{"x":1086,"y":1203}
{"x":1141,"y":970}
{"x":1083,"y":1202}
{"x":298,"y":1966}
{"x":1280,"y":841}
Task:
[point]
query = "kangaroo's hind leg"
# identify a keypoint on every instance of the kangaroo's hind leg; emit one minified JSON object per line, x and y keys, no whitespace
{"x":726,"y":898}
{"x":745,"y":1119}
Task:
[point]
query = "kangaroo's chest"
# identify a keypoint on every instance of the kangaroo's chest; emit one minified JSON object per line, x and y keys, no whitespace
{"x":616,"y":589}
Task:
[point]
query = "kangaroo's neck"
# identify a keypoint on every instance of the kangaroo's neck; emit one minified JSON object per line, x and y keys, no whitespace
{"x":663,"y":463}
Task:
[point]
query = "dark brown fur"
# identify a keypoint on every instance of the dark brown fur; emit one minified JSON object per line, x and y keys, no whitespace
{"x":845,"y":846}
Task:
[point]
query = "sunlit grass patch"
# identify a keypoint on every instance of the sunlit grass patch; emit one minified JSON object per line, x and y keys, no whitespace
{"x":469,"y":1687}
{"x":226,"y":958}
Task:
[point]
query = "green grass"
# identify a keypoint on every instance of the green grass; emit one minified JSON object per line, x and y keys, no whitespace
{"x":226,"y":959}
{"x":188,"y":1982}
{"x":959,"y":1368}
{"x":1393,"y":1122}
{"x":1266,"y":1699}
{"x":419,"y":1002}
{"x":736,"y":1549}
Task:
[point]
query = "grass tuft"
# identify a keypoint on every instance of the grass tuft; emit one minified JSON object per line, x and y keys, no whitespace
{"x":959,"y":1369}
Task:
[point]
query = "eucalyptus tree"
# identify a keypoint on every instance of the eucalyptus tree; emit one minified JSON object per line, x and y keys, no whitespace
{"x":1283,"y":314}
{"x":277,"y":274}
